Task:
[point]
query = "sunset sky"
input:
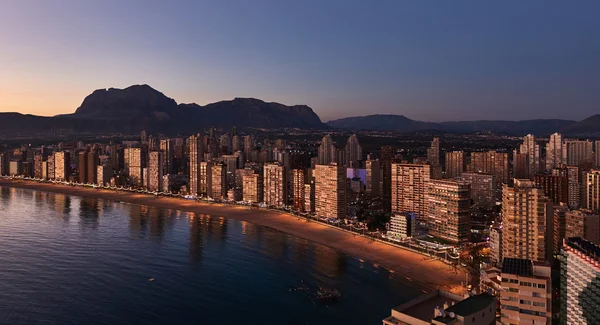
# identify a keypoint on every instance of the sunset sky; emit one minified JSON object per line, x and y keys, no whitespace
{"x":428,"y":60}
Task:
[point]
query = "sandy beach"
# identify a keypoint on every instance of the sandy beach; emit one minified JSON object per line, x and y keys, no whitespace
{"x":415,"y":267}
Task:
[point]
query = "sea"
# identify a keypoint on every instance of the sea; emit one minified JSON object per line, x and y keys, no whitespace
{"x":73,"y":260}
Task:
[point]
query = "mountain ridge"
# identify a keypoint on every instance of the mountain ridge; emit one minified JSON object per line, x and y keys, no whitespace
{"x":141,"y":107}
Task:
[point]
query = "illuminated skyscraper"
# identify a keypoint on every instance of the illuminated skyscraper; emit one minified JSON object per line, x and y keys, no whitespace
{"x":353,"y":152}
{"x":455,"y":163}
{"x":298,"y":195}
{"x":409,"y":186}
{"x":155,"y":171}
{"x":527,"y":222}
{"x":447,"y":214}
{"x":433,"y":152}
{"x":327,"y":151}
{"x":252,"y":188}
{"x":532,"y":149}
{"x":592,"y":190}
{"x":330,"y":191}
{"x":577,"y":152}
{"x":554,"y":152}
{"x":483,"y":187}
{"x":62,"y":162}
{"x":166,"y":146}
{"x":373,"y":178}
{"x":275,"y":185}
{"x":491,"y":162}
{"x":205,"y":179}
{"x":196,"y":155}
{"x":218,"y":181}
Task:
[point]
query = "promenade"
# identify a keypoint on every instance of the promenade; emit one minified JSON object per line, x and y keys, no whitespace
{"x":413,"y":266}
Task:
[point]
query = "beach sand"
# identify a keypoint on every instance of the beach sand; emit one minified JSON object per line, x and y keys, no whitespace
{"x":417,"y":268}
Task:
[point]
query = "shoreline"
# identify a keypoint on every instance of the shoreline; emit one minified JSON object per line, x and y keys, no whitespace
{"x":431,"y":273}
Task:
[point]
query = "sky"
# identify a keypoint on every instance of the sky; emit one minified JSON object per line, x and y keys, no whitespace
{"x":427,"y":60}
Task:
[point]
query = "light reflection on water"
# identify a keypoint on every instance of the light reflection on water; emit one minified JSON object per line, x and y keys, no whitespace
{"x":73,"y":260}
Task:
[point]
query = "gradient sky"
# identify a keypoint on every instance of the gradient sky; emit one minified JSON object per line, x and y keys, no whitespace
{"x":428,"y":60}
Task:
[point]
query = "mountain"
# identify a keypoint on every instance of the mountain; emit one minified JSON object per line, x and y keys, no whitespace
{"x":589,"y":126}
{"x":140,"y":107}
{"x":379,"y":122}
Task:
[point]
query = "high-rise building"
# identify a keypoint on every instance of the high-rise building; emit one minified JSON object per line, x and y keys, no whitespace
{"x":592,"y":190}
{"x":327,"y":151}
{"x":597,"y":153}
{"x":353,"y":152}
{"x":455,"y":163}
{"x":448,"y":205}
{"x":330,"y":191}
{"x":574,"y":184}
{"x":433,"y":152}
{"x":104,"y":173}
{"x":91,"y":169}
{"x":62,"y":162}
{"x":520,"y":165}
{"x":554,"y":152}
{"x":252,"y":187}
{"x":532,"y":149}
{"x":225,"y":144}
{"x":560,"y":226}
{"x":555,"y":187}
{"x":579,"y":287}
{"x":248,"y":147}
{"x":230,"y":168}
{"x":44,"y":170}
{"x":298,"y":195}
{"x":496,"y":245}
{"x":236,"y":143}
{"x":387,"y":155}
{"x":15,"y":167}
{"x":3,"y":164}
{"x":205,"y":179}
{"x":309,"y":196}
{"x":491,"y":162}
{"x":409,"y":186}
{"x":135,"y":161}
{"x":275,"y":185}
{"x":526,"y":296}
{"x":51,"y":167}
{"x":196,"y":155}
{"x":82,"y":167}
{"x":583,"y":223}
{"x":155,"y":171}
{"x":166,"y":146}
{"x":373,"y":179}
{"x":483,"y":187}
{"x":527,"y":222}
{"x":144,"y":137}
{"x":37,"y":166}
{"x":577,"y":152}
{"x":218,"y":189}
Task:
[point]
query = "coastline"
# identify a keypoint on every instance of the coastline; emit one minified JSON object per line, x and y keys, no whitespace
{"x":430,"y":273}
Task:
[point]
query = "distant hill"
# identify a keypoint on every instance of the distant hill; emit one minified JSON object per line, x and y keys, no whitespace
{"x":379,"y":122}
{"x":140,"y":107}
{"x":589,"y":126}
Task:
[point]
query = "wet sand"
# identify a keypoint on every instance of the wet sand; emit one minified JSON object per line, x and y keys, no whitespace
{"x":415,"y":267}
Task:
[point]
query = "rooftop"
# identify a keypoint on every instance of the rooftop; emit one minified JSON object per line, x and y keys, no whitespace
{"x":517,"y":266}
{"x":585,"y":247}
{"x":471,"y":305}
{"x":424,"y":310}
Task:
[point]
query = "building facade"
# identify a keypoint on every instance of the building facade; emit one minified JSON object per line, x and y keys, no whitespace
{"x":580,"y":284}
{"x":275,"y":185}
{"x":409,"y":186}
{"x":330,"y":191}
{"x":527,"y":222}
{"x":448,"y":214}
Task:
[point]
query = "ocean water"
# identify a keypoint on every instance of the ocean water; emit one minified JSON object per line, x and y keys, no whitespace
{"x":74,"y":260}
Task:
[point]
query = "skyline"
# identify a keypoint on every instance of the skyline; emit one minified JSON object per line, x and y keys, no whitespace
{"x":459,"y":61}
